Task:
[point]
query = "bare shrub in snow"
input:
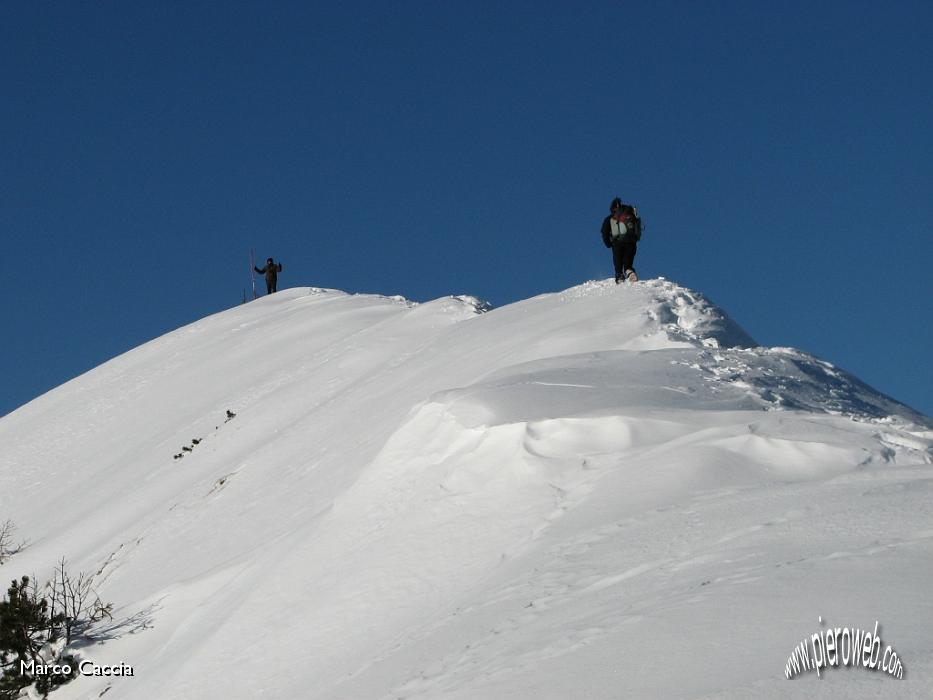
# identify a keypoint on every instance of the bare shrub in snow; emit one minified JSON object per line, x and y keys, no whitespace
{"x":74,"y":604}
{"x":7,"y":547}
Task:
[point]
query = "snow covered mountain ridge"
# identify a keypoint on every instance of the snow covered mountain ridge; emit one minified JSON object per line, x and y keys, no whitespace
{"x":327,"y":495}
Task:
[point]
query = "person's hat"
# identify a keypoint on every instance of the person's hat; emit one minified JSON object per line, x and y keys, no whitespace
{"x":615,"y":206}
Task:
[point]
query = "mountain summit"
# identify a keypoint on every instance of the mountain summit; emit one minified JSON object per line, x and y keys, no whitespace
{"x":598,"y":493}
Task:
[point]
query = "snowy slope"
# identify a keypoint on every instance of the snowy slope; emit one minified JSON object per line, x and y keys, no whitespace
{"x":604,"y":492}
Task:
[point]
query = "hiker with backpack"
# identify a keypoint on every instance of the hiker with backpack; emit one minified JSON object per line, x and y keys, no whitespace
{"x":271,"y":271}
{"x":621,"y":231}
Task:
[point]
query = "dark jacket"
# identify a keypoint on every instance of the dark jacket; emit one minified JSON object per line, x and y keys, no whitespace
{"x":271,"y":271}
{"x":607,"y":231}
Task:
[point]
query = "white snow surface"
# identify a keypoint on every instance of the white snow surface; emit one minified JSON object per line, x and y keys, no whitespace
{"x":606,"y":492}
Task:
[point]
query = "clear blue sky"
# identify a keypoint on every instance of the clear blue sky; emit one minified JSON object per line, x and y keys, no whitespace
{"x":781,"y":155}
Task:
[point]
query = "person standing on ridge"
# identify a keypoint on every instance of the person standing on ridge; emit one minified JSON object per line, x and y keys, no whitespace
{"x":621,"y":231}
{"x":271,"y":271}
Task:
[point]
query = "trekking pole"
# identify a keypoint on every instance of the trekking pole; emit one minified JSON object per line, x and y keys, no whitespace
{"x":252,"y":271}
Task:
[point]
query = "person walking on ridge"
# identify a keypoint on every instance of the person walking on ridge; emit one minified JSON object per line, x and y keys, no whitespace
{"x":621,"y":231}
{"x":271,"y":271}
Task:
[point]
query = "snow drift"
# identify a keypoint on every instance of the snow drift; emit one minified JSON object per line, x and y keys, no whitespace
{"x":604,"y":492}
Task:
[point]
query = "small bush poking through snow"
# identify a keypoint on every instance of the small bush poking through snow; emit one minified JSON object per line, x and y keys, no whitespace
{"x":7,"y":548}
{"x":37,"y":626}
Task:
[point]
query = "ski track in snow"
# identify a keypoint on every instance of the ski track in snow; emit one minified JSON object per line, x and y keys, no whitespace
{"x":602,"y":492}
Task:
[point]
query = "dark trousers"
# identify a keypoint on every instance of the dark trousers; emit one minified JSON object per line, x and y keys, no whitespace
{"x":623,"y":256}
{"x":270,"y":286}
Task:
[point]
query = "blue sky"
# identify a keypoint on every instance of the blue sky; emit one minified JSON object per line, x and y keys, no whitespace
{"x":779,"y":153}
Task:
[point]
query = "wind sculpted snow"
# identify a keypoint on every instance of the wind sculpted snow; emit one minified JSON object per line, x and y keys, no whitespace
{"x":603,"y":492}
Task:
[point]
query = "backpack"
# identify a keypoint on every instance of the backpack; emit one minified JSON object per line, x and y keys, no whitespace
{"x":636,"y":220}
